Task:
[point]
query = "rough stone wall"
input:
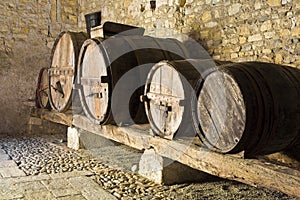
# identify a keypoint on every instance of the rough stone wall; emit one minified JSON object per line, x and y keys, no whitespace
{"x":233,"y":30}
{"x":28,"y":29}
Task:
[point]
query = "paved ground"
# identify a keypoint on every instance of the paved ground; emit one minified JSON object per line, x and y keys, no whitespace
{"x":14,"y":184}
{"x":42,"y":167}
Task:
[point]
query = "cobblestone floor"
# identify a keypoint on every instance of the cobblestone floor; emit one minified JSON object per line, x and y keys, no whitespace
{"x":42,"y":167}
{"x":15,"y":184}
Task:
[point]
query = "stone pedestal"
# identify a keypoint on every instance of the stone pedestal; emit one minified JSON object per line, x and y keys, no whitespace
{"x":166,"y":171}
{"x":90,"y":140}
{"x":78,"y":138}
{"x":73,"y":138}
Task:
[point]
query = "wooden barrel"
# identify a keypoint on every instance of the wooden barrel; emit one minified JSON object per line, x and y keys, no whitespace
{"x":63,"y":69}
{"x":103,"y":63}
{"x":252,"y":107}
{"x":169,"y":89}
{"x":42,"y":90}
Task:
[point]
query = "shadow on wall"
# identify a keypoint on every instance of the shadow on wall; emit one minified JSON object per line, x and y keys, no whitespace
{"x":195,"y":35}
{"x":5,"y":64}
{"x":209,"y":38}
{"x":18,"y":71}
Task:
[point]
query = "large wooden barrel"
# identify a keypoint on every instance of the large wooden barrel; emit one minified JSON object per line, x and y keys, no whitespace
{"x":169,"y":89}
{"x":103,"y":63}
{"x":63,"y":69}
{"x":42,"y":90}
{"x":252,"y":107}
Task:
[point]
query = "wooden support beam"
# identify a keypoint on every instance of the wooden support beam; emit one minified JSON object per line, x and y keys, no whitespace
{"x":135,"y":136}
{"x":249,"y":171}
{"x":53,"y":116}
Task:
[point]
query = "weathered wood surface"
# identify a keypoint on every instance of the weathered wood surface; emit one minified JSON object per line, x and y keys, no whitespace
{"x":97,"y":32}
{"x":63,"y":69}
{"x":135,"y":137}
{"x":94,"y":92}
{"x":53,"y":116}
{"x":42,"y":90}
{"x":289,"y":158}
{"x":221,"y":112}
{"x":251,"y":107}
{"x":169,"y":90}
{"x":164,"y":93}
{"x":249,"y":171}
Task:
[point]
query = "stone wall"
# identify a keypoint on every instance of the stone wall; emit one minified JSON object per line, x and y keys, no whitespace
{"x":233,"y":30}
{"x":28,"y":29}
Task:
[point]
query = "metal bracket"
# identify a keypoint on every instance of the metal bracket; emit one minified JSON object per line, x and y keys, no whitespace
{"x":77,"y":86}
{"x":96,"y":95}
{"x":182,"y":102}
{"x":105,"y":79}
{"x":165,"y":108}
{"x":58,"y":88}
{"x":57,"y":71}
{"x":163,"y":98}
{"x":144,"y":98}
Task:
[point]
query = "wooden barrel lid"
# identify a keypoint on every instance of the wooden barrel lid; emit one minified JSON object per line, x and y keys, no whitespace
{"x":63,"y":69}
{"x":221,"y":111}
{"x":61,"y":72}
{"x":164,"y":92}
{"x":42,"y":91}
{"x":93,"y":78}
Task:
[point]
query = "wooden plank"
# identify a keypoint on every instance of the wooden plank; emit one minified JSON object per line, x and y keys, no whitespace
{"x":63,"y":66}
{"x":42,"y":91}
{"x":92,"y":72}
{"x":53,"y":116}
{"x":59,"y":118}
{"x":249,"y":171}
{"x":221,"y":112}
{"x":289,"y":158}
{"x":130,"y":136}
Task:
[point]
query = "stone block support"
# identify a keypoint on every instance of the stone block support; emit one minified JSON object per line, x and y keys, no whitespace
{"x":78,"y":138}
{"x":73,"y":138}
{"x":163,"y":170}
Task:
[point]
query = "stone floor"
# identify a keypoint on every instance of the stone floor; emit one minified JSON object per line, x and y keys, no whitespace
{"x":42,"y":167}
{"x":14,"y":184}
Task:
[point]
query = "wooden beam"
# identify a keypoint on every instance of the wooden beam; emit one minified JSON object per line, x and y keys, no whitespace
{"x":249,"y":171}
{"x":135,"y":136}
{"x":53,"y":116}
